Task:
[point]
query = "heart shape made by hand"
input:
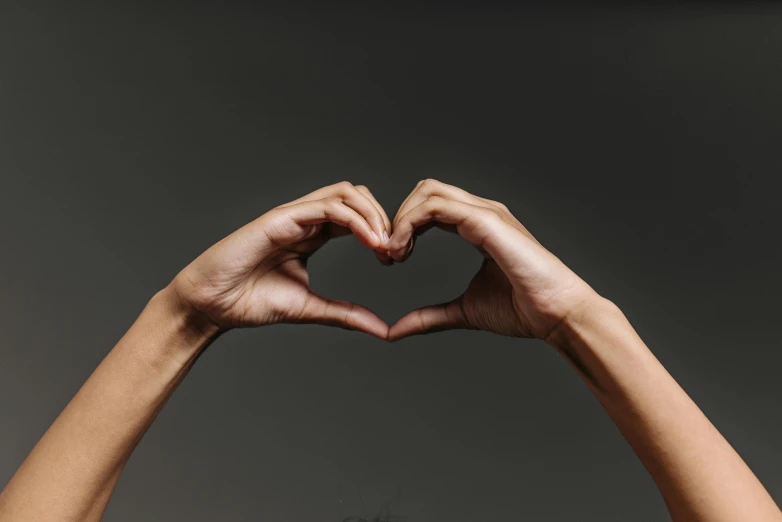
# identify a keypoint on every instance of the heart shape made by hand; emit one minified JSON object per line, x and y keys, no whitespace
{"x":438,"y":270}
{"x":490,"y":301}
{"x":258,"y":275}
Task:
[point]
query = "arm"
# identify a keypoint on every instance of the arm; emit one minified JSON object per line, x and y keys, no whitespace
{"x":523,"y":290}
{"x":700,"y":476}
{"x":256,"y":276}
{"x":73,"y":469}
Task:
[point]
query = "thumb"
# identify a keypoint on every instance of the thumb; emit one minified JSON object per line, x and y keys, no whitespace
{"x":429,"y":319}
{"x":343,"y":314}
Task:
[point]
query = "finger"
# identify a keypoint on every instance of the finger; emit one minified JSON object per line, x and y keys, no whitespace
{"x":343,"y":314}
{"x":431,"y":187}
{"x":290,"y":224}
{"x":481,"y":226}
{"x":353,"y":198}
{"x":404,"y":202}
{"x":465,"y":217}
{"x":429,"y":319}
{"x":386,"y":232}
{"x":421,"y":231}
{"x":386,"y":222}
{"x":321,"y":193}
{"x":382,"y":256}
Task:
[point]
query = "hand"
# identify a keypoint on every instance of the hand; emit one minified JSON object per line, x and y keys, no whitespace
{"x":258,"y":276}
{"x":521,"y":289}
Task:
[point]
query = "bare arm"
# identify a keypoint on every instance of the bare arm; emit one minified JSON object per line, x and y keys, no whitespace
{"x":73,"y":469}
{"x":256,"y":276}
{"x":700,"y":476}
{"x":523,"y":290}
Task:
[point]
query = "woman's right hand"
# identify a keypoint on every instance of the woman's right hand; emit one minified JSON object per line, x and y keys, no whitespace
{"x":258,"y":276}
{"x":521,"y":289}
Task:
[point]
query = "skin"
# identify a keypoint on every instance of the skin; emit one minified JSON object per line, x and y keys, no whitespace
{"x":257,"y":276}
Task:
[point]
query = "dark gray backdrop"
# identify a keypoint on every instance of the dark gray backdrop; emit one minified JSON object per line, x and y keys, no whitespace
{"x":641,"y":144}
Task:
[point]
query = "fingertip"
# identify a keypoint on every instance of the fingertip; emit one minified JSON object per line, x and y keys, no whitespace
{"x":397,"y":331}
{"x":368,"y":322}
{"x":401,"y":254}
{"x":383,"y":336}
{"x":382,"y":250}
{"x":384,"y":258}
{"x":368,"y":238}
{"x":396,"y":336}
{"x":398,"y":248}
{"x":393,"y":243}
{"x":380,"y":231}
{"x":392,"y":252}
{"x":380,"y":334}
{"x":378,"y":328}
{"x":391,"y":338}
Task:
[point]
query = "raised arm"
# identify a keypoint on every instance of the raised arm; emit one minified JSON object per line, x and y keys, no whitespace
{"x":524,"y":290}
{"x":255,"y":276}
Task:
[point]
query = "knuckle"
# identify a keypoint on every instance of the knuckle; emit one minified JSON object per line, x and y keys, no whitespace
{"x":350,"y":310}
{"x":499,"y":205}
{"x":430,"y":183}
{"x":422,"y":320}
{"x":493,"y":215}
{"x":343,"y":186}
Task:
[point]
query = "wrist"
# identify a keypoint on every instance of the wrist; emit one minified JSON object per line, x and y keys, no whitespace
{"x":596,"y":339}
{"x":588,"y":312}
{"x":190,"y":326}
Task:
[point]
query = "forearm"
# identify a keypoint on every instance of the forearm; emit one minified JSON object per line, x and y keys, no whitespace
{"x":73,"y":469}
{"x":699,"y":474}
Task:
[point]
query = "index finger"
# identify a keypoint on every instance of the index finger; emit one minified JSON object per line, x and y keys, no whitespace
{"x":481,"y":226}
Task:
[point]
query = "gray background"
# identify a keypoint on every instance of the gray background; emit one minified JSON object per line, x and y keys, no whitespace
{"x":640,"y":143}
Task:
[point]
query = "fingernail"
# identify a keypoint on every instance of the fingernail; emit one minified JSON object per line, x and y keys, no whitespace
{"x":385,"y":237}
{"x":377,"y":238}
